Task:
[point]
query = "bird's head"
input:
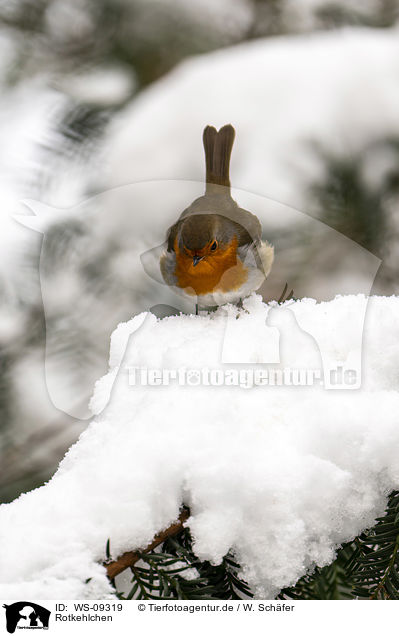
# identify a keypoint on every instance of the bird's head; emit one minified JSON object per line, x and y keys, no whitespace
{"x":207,"y":239}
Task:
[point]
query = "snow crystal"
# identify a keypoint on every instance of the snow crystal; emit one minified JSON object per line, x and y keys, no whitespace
{"x":279,"y":475}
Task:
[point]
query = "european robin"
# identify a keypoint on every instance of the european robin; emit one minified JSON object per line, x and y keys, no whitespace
{"x":214,"y":252}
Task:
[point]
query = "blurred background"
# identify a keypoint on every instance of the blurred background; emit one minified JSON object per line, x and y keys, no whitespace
{"x":102,"y":107}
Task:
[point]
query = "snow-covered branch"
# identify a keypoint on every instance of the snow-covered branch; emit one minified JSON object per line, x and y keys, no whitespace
{"x":128,"y":559}
{"x":280,"y":475}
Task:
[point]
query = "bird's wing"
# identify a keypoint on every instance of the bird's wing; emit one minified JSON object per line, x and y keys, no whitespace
{"x":171,"y":235}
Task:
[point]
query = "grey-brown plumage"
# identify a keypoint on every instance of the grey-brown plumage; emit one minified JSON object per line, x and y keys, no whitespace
{"x":216,"y":217}
{"x":218,"y":147}
{"x":217,"y":200}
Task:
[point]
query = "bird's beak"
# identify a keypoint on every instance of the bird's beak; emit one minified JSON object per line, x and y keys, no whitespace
{"x":197,"y":259}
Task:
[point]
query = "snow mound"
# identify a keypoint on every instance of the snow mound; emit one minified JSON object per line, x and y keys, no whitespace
{"x":281,"y":475}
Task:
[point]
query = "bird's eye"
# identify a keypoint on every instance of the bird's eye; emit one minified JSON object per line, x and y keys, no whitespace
{"x":214,"y":246}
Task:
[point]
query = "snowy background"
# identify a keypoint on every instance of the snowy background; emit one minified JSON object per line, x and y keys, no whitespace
{"x":102,"y":106}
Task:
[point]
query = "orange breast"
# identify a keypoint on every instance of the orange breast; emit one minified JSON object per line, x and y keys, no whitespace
{"x":219,"y":272}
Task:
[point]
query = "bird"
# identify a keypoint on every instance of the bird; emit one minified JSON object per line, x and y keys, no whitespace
{"x":214,"y":252}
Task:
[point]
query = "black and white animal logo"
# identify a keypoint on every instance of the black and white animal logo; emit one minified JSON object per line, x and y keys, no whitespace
{"x":26,"y":615}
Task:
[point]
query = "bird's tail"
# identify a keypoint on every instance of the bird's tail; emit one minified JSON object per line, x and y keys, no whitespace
{"x":218,"y":146}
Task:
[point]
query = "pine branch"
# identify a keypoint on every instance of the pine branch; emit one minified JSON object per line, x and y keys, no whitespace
{"x":128,"y":559}
{"x":165,"y":577}
{"x":329,"y":583}
{"x":175,"y":572}
{"x":368,"y":567}
{"x":375,"y":564}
